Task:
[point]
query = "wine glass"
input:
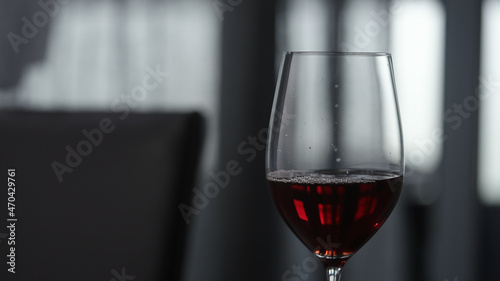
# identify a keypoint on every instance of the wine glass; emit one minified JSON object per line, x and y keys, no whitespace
{"x":334,"y":157}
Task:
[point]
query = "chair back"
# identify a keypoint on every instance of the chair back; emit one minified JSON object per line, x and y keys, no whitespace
{"x":96,"y":194}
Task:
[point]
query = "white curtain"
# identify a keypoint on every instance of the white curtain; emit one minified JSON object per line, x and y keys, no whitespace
{"x":99,"y":51}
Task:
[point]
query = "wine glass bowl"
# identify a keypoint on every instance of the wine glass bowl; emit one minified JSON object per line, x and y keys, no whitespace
{"x":334,"y":156}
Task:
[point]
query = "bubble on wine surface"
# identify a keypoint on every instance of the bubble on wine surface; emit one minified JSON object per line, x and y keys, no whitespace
{"x":298,"y":177}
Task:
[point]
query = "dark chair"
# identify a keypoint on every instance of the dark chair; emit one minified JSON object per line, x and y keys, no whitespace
{"x":97,"y":194}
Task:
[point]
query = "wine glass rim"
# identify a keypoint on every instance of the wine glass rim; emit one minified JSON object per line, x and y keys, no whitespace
{"x":331,"y":53}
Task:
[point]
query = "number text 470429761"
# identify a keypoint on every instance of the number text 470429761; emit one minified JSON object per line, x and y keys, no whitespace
{"x":11,"y":220}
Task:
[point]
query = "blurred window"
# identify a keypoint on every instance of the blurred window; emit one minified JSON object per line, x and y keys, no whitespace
{"x":417,"y":43}
{"x":99,"y":52}
{"x":414,"y":31}
{"x":489,"y":103}
{"x":301,"y":26}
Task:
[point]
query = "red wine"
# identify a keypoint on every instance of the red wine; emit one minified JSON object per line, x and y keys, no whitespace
{"x":334,"y":215}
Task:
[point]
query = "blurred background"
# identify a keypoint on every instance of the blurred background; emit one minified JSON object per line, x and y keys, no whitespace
{"x":220,"y":58}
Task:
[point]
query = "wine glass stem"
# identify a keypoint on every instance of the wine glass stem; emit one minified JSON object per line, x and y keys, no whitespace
{"x":333,"y":273}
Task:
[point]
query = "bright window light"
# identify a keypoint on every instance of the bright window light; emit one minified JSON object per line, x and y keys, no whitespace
{"x":489,"y":96}
{"x":305,"y":24}
{"x":417,"y":43}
